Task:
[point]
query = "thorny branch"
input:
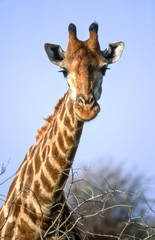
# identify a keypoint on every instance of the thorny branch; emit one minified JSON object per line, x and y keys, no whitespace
{"x":81,"y":194}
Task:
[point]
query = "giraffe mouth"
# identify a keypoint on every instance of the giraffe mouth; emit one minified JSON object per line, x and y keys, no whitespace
{"x":87,"y":112}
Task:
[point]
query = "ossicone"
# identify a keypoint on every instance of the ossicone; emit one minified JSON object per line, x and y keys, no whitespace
{"x":72,"y":27}
{"x":72,"y":32}
{"x":93,"y":37}
{"x":93,"y":27}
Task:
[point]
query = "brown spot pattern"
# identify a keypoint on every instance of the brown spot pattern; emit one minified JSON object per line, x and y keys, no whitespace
{"x":61,"y":142}
{"x":44,"y":153}
{"x":30,"y":169}
{"x":16,"y":207}
{"x":30,"y":174}
{"x":32,"y":151}
{"x":55,"y":128}
{"x":12,"y":187}
{"x":61,"y":161}
{"x":26,"y":232}
{"x":46,"y":183}
{"x":61,"y":183}
{"x":37,"y":162}
{"x":37,"y":187}
{"x":68,"y":138}
{"x":23,"y":169}
{"x":13,"y":196}
{"x":42,"y":199}
{"x":71,"y":111}
{"x":67,"y":123}
{"x":52,"y":171}
{"x":2,"y":218}
{"x":30,"y":212}
{"x":62,"y":112}
{"x":55,"y":152}
{"x":9,"y":231}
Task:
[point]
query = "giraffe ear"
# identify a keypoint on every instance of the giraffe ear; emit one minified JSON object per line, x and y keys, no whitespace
{"x":54,"y":53}
{"x":113,"y":51}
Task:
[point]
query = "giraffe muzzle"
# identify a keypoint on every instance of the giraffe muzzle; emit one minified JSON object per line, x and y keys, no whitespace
{"x":86,"y":107}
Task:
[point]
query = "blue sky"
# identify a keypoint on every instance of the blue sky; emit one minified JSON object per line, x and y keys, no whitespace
{"x":30,"y":85}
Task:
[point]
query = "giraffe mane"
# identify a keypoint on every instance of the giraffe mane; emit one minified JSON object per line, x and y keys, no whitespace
{"x":41,"y":132}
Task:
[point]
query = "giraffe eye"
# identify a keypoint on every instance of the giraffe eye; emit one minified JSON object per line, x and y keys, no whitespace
{"x":104,"y":69}
{"x":64,"y":71}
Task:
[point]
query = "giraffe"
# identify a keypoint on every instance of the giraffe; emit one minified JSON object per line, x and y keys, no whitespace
{"x":35,"y":198}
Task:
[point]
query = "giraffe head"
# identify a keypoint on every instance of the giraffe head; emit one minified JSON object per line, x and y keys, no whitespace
{"x":84,"y":65}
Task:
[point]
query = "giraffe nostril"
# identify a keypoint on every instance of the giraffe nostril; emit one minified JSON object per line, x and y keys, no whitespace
{"x":91,"y":99}
{"x":81,"y":101}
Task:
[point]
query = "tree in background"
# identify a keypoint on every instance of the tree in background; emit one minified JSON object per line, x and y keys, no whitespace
{"x":109,"y":205}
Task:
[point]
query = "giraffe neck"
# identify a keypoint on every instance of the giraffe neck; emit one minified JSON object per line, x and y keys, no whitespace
{"x":57,"y":150}
{"x":39,"y":182}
